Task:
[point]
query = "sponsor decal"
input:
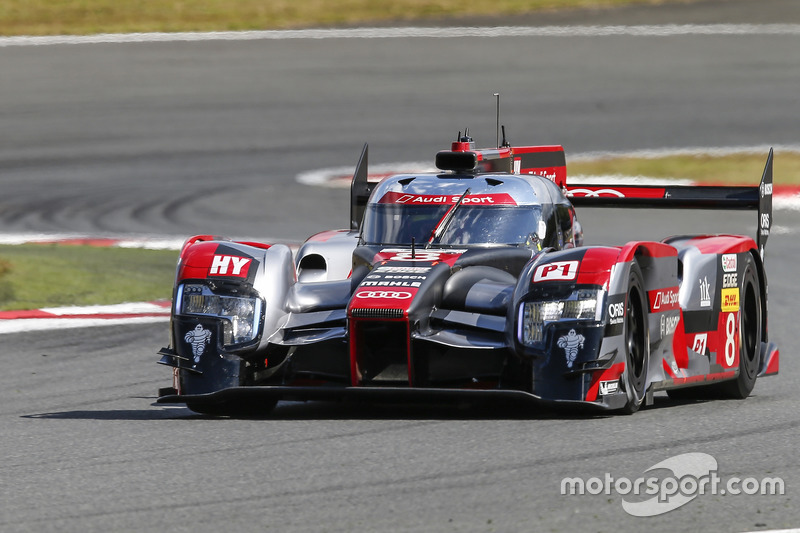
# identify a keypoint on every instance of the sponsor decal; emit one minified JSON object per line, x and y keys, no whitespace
{"x":543,"y":173}
{"x":700,"y":343}
{"x":663,"y":300}
{"x":385,"y":282}
{"x":765,"y":224}
{"x":618,"y":192}
{"x":596,"y":193}
{"x":425,"y":254}
{"x":557,"y":271}
{"x":229,"y":265}
{"x":416,"y":256}
{"x":384,"y":295}
{"x":571,"y":343}
{"x":392,"y":197}
{"x":705,"y":292}
{"x":396,"y":277}
{"x":730,"y":280}
{"x":609,"y":387}
{"x":402,"y":270}
{"x":669,"y":324}
{"x":729,"y":262}
{"x":616,"y":313}
{"x":730,"y":300}
{"x":731,"y":330}
{"x":766,"y":189}
{"x":198,"y":338}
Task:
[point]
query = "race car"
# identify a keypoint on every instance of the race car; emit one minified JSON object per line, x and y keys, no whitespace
{"x":474,"y":283}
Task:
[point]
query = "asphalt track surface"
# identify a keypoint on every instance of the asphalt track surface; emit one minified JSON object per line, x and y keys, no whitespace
{"x":182,"y":138}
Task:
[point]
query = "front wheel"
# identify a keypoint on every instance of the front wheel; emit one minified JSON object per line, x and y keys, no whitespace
{"x":637,"y":344}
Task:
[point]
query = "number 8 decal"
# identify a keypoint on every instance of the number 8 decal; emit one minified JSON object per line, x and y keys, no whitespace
{"x":730,"y":339}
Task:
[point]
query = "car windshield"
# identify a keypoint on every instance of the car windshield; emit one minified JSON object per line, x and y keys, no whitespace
{"x":397,"y":224}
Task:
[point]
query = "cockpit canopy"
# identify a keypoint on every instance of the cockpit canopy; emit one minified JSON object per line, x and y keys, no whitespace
{"x":468,"y":210}
{"x":387,"y":223}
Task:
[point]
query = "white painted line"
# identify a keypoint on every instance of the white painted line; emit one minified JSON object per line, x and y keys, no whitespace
{"x":153,"y":244}
{"x":83,"y":317}
{"x":789,"y":203}
{"x":114,"y":309}
{"x":339,"y":177}
{"x":621,"y":179}
{"x":41,"y":324}
{"x":667,"y":30}
{"x":149,"y":243}
{"x":24,"y":238}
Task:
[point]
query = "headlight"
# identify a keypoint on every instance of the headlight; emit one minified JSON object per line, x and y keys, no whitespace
{"x":582,"y":304}
{"x":241,"y":315}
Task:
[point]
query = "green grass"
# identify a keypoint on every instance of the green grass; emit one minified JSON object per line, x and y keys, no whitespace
{"x":38,"y":275}
{"x":77,"y":17}
{"x":738,"y":169}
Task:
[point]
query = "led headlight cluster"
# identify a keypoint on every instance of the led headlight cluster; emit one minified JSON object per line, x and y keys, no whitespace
{"x":582,"y":304}
{"x":241,"y":315}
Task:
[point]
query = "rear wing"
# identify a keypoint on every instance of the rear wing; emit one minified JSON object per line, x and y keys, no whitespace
{"x":685,"y":197}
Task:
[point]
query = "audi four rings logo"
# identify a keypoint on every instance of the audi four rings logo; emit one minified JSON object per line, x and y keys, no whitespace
{"x":384,"y":295}
{"x":589,"y":193}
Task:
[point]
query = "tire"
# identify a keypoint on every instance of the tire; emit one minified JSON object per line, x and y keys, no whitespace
{"x":750,"y":328}
{"x":637,"y":342}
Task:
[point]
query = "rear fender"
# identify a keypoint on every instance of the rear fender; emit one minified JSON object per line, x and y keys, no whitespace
{"x":714,"y":263}
{"x":706,"y":260}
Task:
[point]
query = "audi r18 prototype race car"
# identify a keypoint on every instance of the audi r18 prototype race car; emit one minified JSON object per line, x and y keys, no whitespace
{"x":474,"y":283}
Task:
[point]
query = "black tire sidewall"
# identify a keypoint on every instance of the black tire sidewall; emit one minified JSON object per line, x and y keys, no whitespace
{"x":636,"y":303}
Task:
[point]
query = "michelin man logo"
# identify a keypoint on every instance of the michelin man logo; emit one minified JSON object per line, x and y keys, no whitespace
{"x":571,"y":343}
{"x":198,"y":338}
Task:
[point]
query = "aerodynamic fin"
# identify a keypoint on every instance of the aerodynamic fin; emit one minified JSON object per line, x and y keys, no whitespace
{"x":765,"y":206}
{"x":359,"y":190}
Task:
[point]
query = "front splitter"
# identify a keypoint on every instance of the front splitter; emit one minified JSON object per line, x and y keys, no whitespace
{"x":252,"y":396}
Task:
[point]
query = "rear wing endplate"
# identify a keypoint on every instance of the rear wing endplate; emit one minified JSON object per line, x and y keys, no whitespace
{"x":360,"y":189}
{"x":685,"y":197}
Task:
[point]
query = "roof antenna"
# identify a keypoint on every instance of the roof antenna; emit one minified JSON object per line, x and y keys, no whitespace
{"x":497,"y":114}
